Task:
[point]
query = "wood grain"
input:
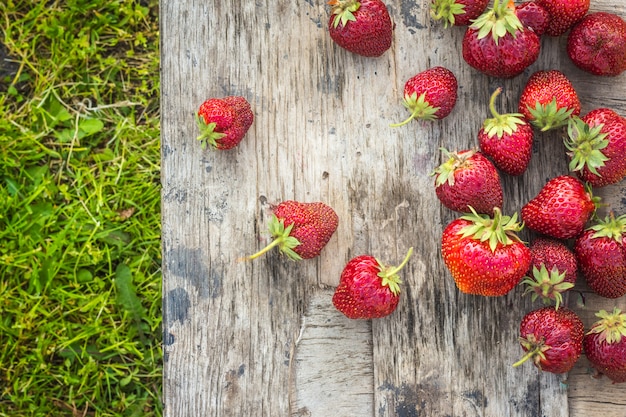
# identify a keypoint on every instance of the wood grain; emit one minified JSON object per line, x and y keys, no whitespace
{"x":262,"y":338}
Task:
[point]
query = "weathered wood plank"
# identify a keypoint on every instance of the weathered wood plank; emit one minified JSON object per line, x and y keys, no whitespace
{"x":251,"y":338}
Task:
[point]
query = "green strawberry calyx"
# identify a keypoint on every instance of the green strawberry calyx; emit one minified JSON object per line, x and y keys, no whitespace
{"x":344,"y":11}
{"x":547,"y":285}
{"x":535,"y":350}
{"x":500,"y":124}
{"x":610,"y":227}
{"x":498,"y":21}
{"x":419,"y":108}
{"x":584,"y":144}
{"x":496,"y":230}
{"x":389,"y":274}
{"x":454,"y":161}
{"x":208,"y":134}
{"x":282,"y":238}
{"x":611,"y":326}
{"x":446,"y":10}
{"x":549,"y":116}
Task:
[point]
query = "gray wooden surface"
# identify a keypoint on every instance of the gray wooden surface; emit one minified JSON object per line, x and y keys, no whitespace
{"x":262,"y":338}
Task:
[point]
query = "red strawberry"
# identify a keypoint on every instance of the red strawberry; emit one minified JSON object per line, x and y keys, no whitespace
{"x":361,"y":26}
{"x":300,"y":230}
{"x":457,"y":12}
{"x":605,"y":345}
{"x":484,"y":254}
{"x":561,"y":209}
{"x":509,"y":49}
{"x":368,"y":289}
{"x":597,"y":44}
{"x":430,"y":94}
{"x":533,"y":15}
{"x":468,"y":179}
{"x":223,"y":122}
{"x":549,"y":100}
{"x":552,"y":339}
{"x":601,"y":256}
{"x":563,"y":14}
{"x":597,"y":147}
{"x":507,"y":139}
{"x":553,"y":270}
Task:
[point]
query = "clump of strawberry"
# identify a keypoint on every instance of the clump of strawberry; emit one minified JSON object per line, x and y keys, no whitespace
{"x":362,"y":27}
{"x":601,"y":256}
{"x":561,"y":209}
{"x":597,"y":147}
{"x":552,"y":339}
{"x":605,"y":345}
{"x":430,"y":95}
{"x":300,"y":230}
{"x":549,"y":100}
{"x":507,"y":139}
{"x":597,"y":44}
{"x":484,"y":255}
{"x":563,"y":14}
{"x":223,"y":122}
{"x":533,"y":16}
{"x":457,"y":12}
{"x":468,"y":179}
{"x":497,"y":44}
{"x":368,"y":289}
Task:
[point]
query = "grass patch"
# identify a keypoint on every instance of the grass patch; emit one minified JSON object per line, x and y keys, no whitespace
{"x":80,"y":278}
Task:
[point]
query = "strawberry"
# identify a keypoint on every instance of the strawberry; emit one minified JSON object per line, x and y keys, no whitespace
{"x":457,"y":12}
{"x":509,"y":49}
{"x":300,"y":230}
{"x":597,"y":147}
{"x":223,"y":122}
{"x":549,"y":100}
{"x":563,"y":14}
{"x":601,"y":256}
{"x":553,"y":270}
{"x":560,"y":209}
{"x":605,"y":345}
{"x":507,"y":139}
{"x":552,"y":339}
{"x":597,"y":44}
{"x":533,"y":15}
{"x":468,"y":178}
{"x":430,"y":94}
{"x":362,"y":27}
{"x":483,"y":254}
{"x":368,"y":289}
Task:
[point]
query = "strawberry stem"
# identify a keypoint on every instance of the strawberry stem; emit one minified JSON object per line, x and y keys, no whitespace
{"x":389,"y":275}
{"x":420,"y":109}
{"x":282,"y":239}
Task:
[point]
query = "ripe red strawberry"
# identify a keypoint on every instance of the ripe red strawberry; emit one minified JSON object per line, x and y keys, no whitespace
{"x":597,"y":147}
{"x":549,"y":100}
{"x":368,"y":289}
{"x":601,"y":256}
{"x":468,"y":179}
{"x":430,"y":94}
{"x":497,"y":44}
{"x":563,"y":14}
{"x":484,"y":254}
{"x":300,"y":230}
{"x":457,"y":12}
{"x":552,"y":339}
{"x":553,"y":270}
{"x":597,"y":44}
{"x":605,"y":345}
{"x":507,"y":139}
{"x":560,"y":209}
{"x":361,"y":26}
{"x":223,"y":122}
{"x":533,"y":15}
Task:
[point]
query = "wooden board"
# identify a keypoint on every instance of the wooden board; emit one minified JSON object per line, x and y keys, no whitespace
{"x":261,"y":338}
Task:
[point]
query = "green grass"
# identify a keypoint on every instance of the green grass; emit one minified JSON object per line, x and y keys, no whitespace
{"x":80,"y":277}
